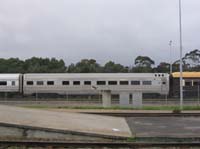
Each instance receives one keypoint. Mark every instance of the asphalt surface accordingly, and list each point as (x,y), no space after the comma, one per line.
(171,127)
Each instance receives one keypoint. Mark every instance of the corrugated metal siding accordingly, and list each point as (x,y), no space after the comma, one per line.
(186,75)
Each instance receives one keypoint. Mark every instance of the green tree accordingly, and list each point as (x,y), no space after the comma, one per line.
(163,67)
(11,65)
(56,66)
(44,65)
(143,64)
(144,61)
(85,66)
(191,61)
(111,67)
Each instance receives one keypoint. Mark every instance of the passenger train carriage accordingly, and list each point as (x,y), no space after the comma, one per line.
(93,83)
(85,83)
(11,83)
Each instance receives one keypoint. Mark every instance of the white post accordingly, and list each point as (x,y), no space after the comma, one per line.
(181,63)
(170,44)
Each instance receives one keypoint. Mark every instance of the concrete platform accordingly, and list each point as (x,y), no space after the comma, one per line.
(105,126)
(169,127)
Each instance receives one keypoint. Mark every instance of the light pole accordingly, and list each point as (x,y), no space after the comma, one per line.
(198,91)
(170,44)
(181,63)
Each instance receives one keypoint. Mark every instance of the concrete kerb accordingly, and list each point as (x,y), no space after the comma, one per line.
(25,130)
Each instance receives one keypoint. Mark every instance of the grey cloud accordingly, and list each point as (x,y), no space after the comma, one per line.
(116,30)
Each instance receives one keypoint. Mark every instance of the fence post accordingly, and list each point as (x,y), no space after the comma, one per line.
(166,102)
(36,96)
(5,96)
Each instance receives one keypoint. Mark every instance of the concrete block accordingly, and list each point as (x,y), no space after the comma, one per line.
(137,99)
(106,98)
(124,99)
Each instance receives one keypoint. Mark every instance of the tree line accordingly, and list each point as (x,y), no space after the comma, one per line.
(142,64)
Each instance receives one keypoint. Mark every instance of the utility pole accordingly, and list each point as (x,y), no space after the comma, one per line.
(198,91)
(181,51)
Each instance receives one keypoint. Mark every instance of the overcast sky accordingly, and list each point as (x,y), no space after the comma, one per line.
(117,30)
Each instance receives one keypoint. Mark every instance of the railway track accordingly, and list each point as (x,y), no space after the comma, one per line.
(128,114)
(56,144)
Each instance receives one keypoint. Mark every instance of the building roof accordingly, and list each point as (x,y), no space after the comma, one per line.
(186,74)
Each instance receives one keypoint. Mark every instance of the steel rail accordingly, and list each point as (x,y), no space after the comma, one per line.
(95,144)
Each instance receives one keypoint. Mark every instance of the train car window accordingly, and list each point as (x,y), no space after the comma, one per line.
(188,83)
(87,82)
(29,82)
(112,82)
(76,82)
(163,83)
(101,82)
(123,82)
(146,82)
(65,82)
(196,83)
(13,83)
(40,82)
(135,82)
(50,82)
(3,83)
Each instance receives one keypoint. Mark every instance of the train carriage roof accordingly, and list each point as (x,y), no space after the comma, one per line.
(186,75)
(9,76)
(93,75)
